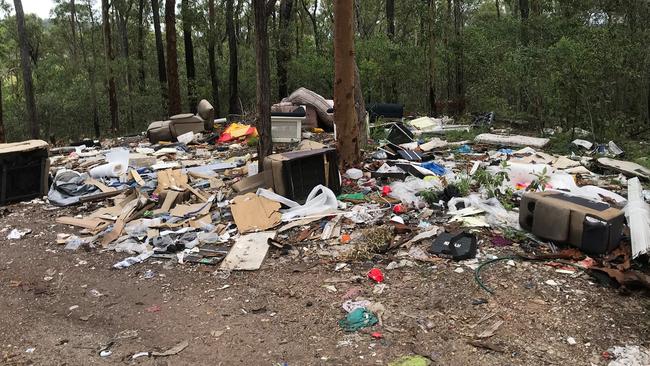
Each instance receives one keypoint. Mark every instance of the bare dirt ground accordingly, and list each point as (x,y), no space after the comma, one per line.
(51,311)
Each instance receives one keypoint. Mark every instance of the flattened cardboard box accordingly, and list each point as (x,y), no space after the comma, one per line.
(254,213)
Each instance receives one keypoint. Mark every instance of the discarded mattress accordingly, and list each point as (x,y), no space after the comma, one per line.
(320,104)
(514,140)
(628,168)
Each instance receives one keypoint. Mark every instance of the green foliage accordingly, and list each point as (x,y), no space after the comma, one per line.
(378,133)
(430,197)
(464,184)
(571,64)
(540,182)
(455,136)
(492,183)
(252,142)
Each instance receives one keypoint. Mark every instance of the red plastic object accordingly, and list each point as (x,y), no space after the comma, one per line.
(376,275)
(377,335)
(153,309)
(399,209)
(345,238)
(385,190)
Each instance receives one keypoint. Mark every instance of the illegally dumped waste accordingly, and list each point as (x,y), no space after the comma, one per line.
(357,319)
(411,361)
(637,213)
(629,356)
(413,202)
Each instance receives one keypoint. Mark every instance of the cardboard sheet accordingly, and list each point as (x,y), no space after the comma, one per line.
(102,187)
(136,176)
(167,204)
(255,213)
(248,252)
(194,210)
(90,223)
(201,222)
(196,192)
(171,179)
(121,221)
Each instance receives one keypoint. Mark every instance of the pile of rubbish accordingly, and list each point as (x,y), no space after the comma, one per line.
(415,200)
(199,199)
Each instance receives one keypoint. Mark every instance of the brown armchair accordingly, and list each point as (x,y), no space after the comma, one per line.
(180,124)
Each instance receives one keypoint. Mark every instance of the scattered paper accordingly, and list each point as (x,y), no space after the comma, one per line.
(16,234)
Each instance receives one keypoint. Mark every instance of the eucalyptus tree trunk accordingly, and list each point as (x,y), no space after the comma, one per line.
(344,114)
(160,51)
(189,56)
(26,65)
(212,63)
(233,69)
(108,50)
(140,47)
(284,50)
(173,85)
(261,12)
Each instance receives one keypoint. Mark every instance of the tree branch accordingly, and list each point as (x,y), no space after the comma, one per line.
(270,6)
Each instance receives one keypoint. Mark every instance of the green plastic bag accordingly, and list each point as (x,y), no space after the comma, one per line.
(411,361)
(358,319)
(351,196)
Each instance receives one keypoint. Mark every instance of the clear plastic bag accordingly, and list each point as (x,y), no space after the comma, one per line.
(320,200)
(407,191)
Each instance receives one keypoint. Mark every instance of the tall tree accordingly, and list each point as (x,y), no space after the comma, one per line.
(73,28)
(140,47)
(314,21)
(173,85)
(189,55)
(284,49)
(390,19)
(123,9)
(431,24)
(233,70)
(360,107)
(261,11)
(447,36)
(344,113)
(524,10)
(459,61)
(212,63)
(108,50)
(91,68)
(160,51)
(498,7)
(391,89)
(3,137)
(26,65)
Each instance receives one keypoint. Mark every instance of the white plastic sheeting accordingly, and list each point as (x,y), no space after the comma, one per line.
(637,213)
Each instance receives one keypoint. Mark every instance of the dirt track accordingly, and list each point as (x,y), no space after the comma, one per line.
(282,313)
